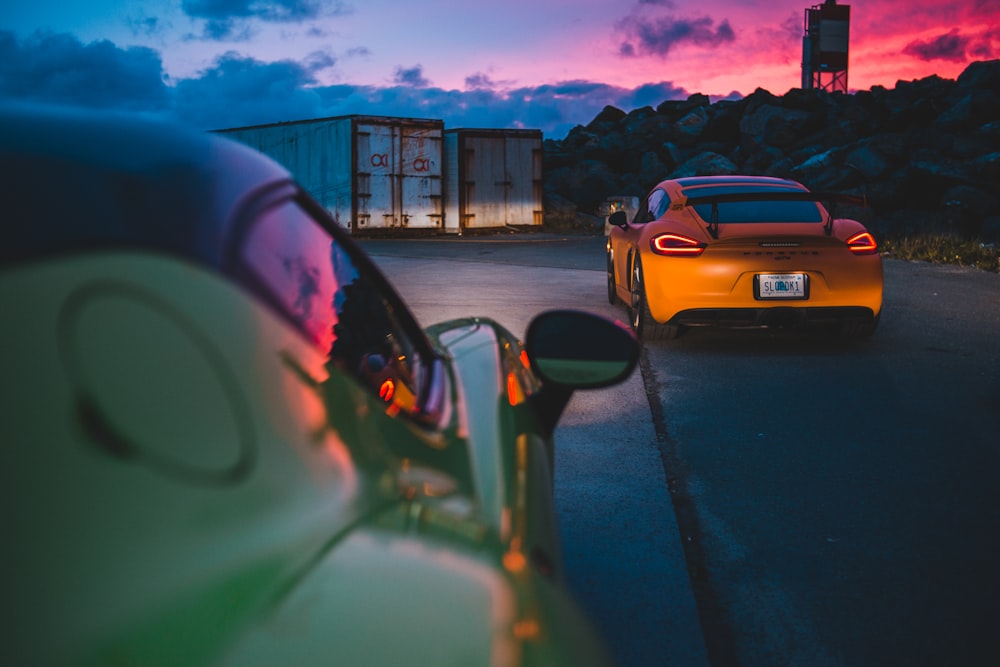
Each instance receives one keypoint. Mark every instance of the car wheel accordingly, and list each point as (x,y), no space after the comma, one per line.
(612,290)
(646,328)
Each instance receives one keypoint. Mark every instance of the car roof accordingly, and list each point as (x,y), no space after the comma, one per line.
(75,180)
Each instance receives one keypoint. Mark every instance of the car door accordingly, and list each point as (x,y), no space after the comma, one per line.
(626,242)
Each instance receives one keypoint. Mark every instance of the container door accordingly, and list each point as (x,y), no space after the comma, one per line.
(420,203)
(377,166)
(486,183)
(399,176)
(524,193)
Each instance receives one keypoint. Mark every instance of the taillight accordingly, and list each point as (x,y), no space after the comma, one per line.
(862,243)
(675,245)
(387,390)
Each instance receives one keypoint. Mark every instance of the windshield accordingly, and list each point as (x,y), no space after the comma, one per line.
(334,302)
(755,211)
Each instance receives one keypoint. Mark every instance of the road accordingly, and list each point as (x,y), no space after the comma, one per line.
(842,500)
(621,543)
(837,501)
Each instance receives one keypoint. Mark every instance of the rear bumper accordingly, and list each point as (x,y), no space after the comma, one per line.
(779,316)
(837,286)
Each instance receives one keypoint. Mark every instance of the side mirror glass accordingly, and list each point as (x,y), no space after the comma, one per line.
(580,350)
(618,219)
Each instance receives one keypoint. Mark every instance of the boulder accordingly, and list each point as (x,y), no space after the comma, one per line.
(774,125)
(925,152)
(975,200)
(692,125)
(705,164)
(677,108)
(973,109)
(868,161)
(984,74)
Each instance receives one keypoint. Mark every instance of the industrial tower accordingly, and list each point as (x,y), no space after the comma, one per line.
(824,47)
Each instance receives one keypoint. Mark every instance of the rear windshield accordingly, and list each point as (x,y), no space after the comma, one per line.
(755,211)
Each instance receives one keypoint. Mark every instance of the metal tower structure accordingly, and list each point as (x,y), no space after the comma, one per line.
(824,47)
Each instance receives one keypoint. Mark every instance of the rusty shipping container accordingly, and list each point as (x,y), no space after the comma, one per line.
(493,178)
(372,173)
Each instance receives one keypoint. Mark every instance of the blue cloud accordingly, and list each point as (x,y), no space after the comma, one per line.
(652,94)
(242,91)
(238,91)
(59,69)
(229,19)
(266,10)
(145,26)
(478,80)
(318,61)
(412,76)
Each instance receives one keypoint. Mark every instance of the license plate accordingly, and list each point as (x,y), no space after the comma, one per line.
(781,286)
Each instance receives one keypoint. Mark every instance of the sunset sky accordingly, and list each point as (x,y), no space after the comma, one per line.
(548,64)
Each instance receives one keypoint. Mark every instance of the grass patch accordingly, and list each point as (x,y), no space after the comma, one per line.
(944,249)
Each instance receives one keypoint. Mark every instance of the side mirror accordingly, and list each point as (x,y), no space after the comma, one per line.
(572,350)
(618,219)
(580,350)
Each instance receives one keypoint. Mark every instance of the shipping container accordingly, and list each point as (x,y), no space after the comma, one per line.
(372,173)
(493,178)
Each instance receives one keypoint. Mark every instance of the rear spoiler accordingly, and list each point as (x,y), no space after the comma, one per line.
(831,199)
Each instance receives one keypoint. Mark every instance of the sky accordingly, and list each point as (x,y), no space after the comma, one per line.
(539,64)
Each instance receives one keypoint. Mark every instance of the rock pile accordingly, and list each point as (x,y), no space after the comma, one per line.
(925,153)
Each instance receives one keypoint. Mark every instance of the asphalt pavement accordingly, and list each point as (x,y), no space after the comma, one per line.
(836,499)
(624,560)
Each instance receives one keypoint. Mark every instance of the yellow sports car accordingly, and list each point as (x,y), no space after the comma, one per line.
(743,251)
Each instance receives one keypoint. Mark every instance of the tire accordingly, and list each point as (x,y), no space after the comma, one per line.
(612,291)
(645,327)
